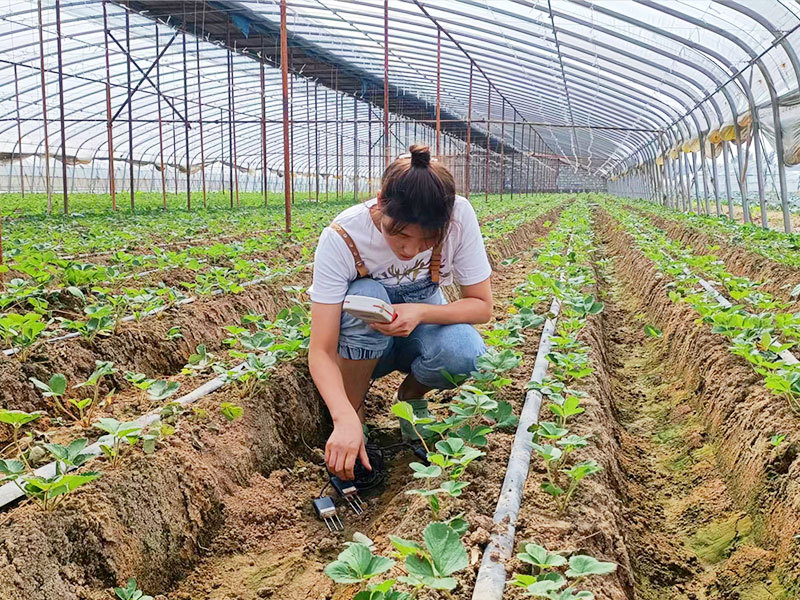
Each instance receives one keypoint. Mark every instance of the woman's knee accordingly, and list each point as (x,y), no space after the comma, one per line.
(455,351)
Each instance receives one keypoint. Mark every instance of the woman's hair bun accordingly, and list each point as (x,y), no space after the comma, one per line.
(420,156)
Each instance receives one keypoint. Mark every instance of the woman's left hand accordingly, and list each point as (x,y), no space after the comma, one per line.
(408,317)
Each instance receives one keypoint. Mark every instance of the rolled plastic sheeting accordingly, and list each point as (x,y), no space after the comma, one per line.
(491,579)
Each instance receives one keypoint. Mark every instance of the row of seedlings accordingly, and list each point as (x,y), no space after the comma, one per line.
(759,327)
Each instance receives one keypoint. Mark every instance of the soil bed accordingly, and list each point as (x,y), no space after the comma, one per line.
(214,493)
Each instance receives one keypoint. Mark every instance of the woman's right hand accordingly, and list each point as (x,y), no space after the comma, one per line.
(345,444)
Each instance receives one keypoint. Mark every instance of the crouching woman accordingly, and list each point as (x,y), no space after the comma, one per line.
(400,247)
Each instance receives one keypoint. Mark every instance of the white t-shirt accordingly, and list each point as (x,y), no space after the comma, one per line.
(463,254)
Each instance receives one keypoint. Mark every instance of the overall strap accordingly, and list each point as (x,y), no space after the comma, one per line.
(436,262)
(351,245)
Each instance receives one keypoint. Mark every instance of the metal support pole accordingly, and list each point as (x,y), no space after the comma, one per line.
(513,152)
(715,181)
(308,146)
(702,139)
(762,198)
(186,127)
(130,103)
(287,187)
(488,141)
(438,91)
(19,138)
(222,148)
(161,133)
(263,130)
(291,125)
(230,115)
(502,148)
(200,116)
(726,164)
(112,186)
(355,149)
(316,146)
(327,149)
(44,114)
(386,140)
(469,134)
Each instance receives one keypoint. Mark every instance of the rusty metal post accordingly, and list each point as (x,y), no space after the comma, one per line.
(327,149)
(112,184)
(160,131)
(230,112)
(19,136)
(502,148)
(355,149)
(341,142)
(186,124)
(233,129)
(386,141)
(291,124)
(308,145)
(44,114)
(469,133)
(438,92)
(200,117)
(263,129)
(513,151)
(488,142)
(130,102)
(222,147)
(316,145)
(287,187)
(528,182)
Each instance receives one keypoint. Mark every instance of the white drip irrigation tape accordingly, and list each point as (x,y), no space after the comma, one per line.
(491,579)
(155,311)
(786,355)
(10,492)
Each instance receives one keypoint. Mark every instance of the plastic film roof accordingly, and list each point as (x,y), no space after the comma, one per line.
(598,80)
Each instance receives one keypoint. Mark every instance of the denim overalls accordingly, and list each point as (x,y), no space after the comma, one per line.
(427,351)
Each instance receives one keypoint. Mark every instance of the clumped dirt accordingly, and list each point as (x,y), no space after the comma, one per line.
(718,420)
(154,514)
(778,279)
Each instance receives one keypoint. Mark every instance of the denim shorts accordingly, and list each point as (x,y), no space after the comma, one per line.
(429,350)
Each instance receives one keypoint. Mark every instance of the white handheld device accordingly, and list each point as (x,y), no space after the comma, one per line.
(371,310)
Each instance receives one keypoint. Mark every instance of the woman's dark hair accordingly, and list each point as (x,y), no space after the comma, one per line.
(416,191)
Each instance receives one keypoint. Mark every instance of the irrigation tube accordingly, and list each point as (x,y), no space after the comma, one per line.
(491,579)
(10,492)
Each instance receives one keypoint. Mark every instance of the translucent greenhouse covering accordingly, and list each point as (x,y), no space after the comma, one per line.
(678,100)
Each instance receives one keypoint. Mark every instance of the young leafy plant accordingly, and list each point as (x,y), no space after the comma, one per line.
(357,564)
(434,564)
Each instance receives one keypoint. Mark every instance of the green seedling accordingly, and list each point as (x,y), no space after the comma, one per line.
(777,439)
(381,591)
(199,361)
(69,457)
(231,411)
(652,331)
(48,492)
(403,410)
(503,416)
(174,333)
(548,582)
(785,383)
(22,331)
(87,407)
(357,564)
(161,390)
(433,565)
(570,407)
(55,388)
(17,419)
(117,432)
(131,592)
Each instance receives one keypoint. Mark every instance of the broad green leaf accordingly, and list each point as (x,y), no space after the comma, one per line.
(447,551)
(421,572)
(421,471)
(583,566)
(652,331)
(405,547)
(540,557)
(17,418)
(403,410)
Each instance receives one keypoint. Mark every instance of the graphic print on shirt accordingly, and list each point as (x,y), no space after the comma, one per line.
(411,273)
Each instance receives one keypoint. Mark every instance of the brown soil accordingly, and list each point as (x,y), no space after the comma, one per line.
(211,494)
(778,279)
(716,417)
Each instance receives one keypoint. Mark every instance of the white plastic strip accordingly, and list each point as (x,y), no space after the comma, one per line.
(11,492)
(491,579)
